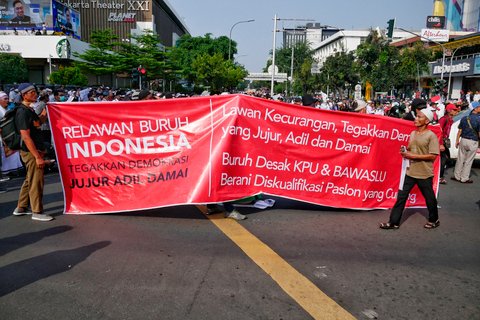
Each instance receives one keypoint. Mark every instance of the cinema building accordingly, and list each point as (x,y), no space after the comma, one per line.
(77,19)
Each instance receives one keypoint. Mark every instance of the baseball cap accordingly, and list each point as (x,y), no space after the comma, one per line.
(451,106)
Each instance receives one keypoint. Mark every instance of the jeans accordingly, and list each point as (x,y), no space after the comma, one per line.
(426,188)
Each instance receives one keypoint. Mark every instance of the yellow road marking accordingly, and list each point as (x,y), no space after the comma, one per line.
(312,299)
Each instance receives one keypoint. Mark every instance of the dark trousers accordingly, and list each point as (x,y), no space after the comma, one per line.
(443,161)
(426,188)
(227,205)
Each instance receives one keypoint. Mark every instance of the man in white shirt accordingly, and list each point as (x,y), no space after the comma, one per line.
(476,97)
(370,108)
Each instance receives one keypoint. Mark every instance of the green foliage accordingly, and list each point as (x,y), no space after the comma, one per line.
(339,70)
(380,63)
(189,48)
(68,75)
(13,68)
(217,73)
(283,57)
(302,61)
(99,59)
(414,61)
(145,50)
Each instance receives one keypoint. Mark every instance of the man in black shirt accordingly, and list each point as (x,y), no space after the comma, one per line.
(31,152)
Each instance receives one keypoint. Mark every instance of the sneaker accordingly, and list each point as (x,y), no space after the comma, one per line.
(235,215)
(41,217)
(21,212)
(4,178)
(3,190)
(215,209)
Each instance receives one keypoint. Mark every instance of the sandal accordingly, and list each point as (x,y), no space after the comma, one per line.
(443,181)
(387,225)
(432,225)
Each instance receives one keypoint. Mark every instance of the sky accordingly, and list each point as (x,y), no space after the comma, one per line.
(255,39)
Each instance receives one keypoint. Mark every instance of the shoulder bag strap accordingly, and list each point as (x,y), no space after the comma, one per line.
(468,119)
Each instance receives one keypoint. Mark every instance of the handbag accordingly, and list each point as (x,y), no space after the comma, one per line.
(447,143)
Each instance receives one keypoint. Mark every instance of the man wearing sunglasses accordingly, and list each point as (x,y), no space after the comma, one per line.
(31,152)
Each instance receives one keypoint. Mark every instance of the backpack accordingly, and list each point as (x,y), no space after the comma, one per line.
(11,136)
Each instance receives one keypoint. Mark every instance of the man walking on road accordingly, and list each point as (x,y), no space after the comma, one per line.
(468,130)
(423,149)
(32,151)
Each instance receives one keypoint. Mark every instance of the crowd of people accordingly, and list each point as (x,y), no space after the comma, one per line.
(422,150)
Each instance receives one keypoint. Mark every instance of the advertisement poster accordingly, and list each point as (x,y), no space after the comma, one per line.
(66,20)
(23,15)
(125,156)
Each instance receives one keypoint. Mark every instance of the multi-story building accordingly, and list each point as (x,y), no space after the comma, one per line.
(77,19)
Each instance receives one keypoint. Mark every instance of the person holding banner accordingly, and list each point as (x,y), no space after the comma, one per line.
(31,152)
(423,149)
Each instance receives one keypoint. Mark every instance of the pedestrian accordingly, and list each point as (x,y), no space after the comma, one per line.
(230,211)
(4,100)
(361,106)
(445,123)
(308,100)
(10,160)
(144,95)
(31,152)
(423,149)
(468,130)
(417,104)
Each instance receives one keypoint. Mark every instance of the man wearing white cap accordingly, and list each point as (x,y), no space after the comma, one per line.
(31,152)
(423,149)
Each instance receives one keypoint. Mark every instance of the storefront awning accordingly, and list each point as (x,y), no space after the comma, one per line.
(462,41)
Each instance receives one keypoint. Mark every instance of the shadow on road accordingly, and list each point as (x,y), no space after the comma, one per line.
(16,242)
(23,273)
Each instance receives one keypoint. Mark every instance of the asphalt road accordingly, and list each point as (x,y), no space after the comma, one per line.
(176,263)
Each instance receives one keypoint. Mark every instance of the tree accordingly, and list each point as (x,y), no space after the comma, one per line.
(189,48)
(146,50)
(302,58)
(99,59)
(380,63)
(283,57)
(216,72)
(13,68)
(338,71)
(68,75)
(414,61)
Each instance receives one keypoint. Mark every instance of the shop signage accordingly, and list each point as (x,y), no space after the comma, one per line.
(95,4)
(477,66)
(435,22)
(63,49)
(124,17)
(4,47)
(435,35)
(461,67)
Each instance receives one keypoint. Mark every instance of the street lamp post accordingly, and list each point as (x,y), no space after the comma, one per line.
(273,54)
(230,39)
(450,75)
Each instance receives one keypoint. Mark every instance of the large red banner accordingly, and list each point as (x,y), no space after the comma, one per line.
(124,156)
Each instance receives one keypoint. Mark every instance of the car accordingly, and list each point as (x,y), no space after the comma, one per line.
(454,132)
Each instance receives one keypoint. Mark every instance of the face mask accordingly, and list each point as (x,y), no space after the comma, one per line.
(62,98)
